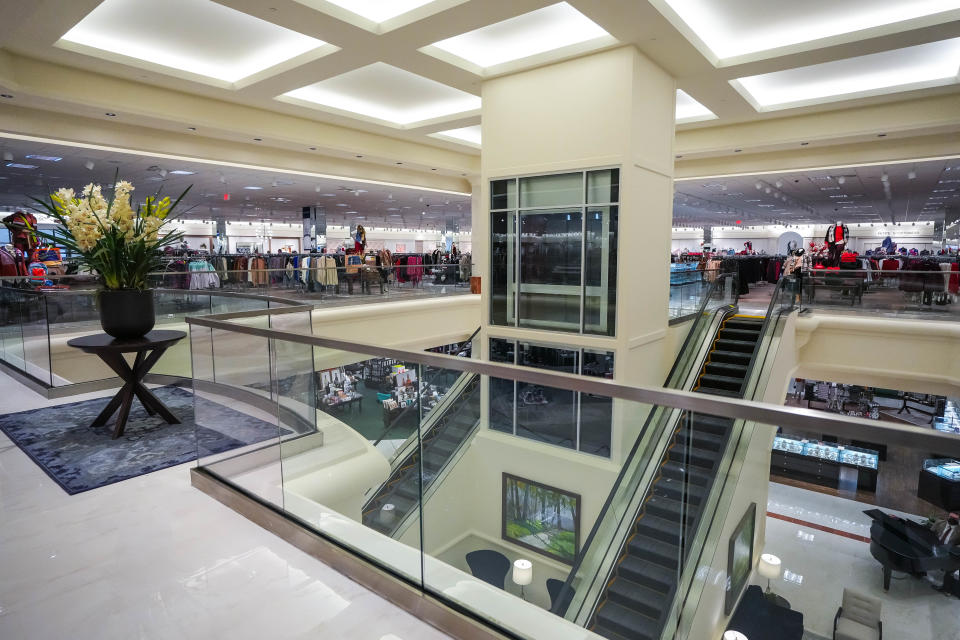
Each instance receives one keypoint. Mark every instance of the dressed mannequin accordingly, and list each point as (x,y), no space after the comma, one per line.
(22,226)
(359,240)
(836,239)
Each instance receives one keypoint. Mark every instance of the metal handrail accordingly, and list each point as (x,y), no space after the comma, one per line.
(566,592)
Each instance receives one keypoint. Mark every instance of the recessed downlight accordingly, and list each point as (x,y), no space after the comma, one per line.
(110,114)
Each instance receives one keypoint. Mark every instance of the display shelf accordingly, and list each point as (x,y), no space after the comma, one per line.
(827,451)
(824,463)
(939,483)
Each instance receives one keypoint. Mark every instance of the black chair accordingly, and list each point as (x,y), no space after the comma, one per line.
(490,566)
(558,605)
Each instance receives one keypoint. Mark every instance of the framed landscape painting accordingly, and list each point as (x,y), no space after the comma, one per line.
(740,557)
(541,518)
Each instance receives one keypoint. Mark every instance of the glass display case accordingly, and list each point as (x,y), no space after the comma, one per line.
(944,468)
(844,454)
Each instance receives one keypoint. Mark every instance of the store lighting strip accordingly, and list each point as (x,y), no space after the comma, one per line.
(772,172)
(223,163)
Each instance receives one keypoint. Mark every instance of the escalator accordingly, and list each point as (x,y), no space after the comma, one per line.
(449,426)
(640,590)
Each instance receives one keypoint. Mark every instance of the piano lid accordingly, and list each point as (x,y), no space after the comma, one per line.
(902,536)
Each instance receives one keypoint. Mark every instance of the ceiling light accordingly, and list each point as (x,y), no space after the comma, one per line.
(46,158)
(163,173)
(385,93)
(211,40)
(758,185)
(110,115)
(803,144)
(89,165)
(468,135)
(17,165)
(921,66)
(779,183)
(6,95)
(912,175)
(258,139)
(689,110)
(254,188)
(191,128)
(841,180)
(552,28)
(730,29)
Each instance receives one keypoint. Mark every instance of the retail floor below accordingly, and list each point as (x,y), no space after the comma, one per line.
(823,543)
(152,557)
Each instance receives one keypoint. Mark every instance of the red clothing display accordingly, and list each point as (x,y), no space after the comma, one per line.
(21,226)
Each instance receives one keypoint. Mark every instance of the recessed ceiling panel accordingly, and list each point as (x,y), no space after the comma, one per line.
(926,65)
(689,110)
(554,28)
(386,94)
(378,10)
(198,37)
(464,135)
(731,28)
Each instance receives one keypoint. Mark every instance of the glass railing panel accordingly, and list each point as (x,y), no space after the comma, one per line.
(73,314)
(11,326)
(344,478)
(237,427)
(911,293)
(532,485)
(36,340)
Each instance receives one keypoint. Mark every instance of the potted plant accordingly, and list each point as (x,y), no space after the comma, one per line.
(122,246)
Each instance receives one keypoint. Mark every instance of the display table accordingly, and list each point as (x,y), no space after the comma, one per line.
(939,483)
(149,350)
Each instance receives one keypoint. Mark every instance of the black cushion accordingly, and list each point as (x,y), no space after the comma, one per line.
(488,565)
(554,587)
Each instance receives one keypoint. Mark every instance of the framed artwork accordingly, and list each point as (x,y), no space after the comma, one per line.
(541,518)
(740,557)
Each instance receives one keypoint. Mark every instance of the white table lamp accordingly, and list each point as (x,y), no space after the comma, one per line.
(388,513)
(734,635)
(522,574)
(769,568)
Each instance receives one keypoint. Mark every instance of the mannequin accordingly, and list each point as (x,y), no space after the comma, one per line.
(836,239)
(359,240)
(22,226)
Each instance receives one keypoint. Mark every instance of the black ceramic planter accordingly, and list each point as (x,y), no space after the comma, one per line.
(126,313)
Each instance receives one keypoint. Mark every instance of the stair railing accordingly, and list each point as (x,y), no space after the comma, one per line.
(595,561)
(706,538)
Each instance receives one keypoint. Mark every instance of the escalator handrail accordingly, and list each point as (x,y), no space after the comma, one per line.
(773,315)
(567,590)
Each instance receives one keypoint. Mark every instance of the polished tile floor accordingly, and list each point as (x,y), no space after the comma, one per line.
(817,565)
(153,558)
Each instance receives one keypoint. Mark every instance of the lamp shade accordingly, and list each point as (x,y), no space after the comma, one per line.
(388,513)
(769,566)
(522,572)
(734,635)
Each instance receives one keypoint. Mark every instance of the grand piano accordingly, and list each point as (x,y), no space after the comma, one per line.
(904,545)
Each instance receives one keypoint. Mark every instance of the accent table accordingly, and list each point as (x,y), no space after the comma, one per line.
(149,349)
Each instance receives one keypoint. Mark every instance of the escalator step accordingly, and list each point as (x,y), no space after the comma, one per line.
(670,509)
(637,597)
(720,382)
(651,526)
(703,422)
(742,346)
(656,552)
(747,335)
(726,369)
(703,458)
(656,576)
(732,357)
(749,324)
(602,630)
(727,393)
(700,438)
(676,490)
(675,471)
(629,624)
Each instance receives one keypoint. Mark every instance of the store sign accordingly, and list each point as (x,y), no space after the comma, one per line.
(903,232)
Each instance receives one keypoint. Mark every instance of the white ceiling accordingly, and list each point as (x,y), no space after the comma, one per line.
(732,28)
(252,52)
(193,36)
(279,197)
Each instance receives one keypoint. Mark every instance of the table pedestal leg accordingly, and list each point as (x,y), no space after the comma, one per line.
(132,377)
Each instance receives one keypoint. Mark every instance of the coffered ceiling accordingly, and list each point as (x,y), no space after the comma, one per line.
(411,69)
